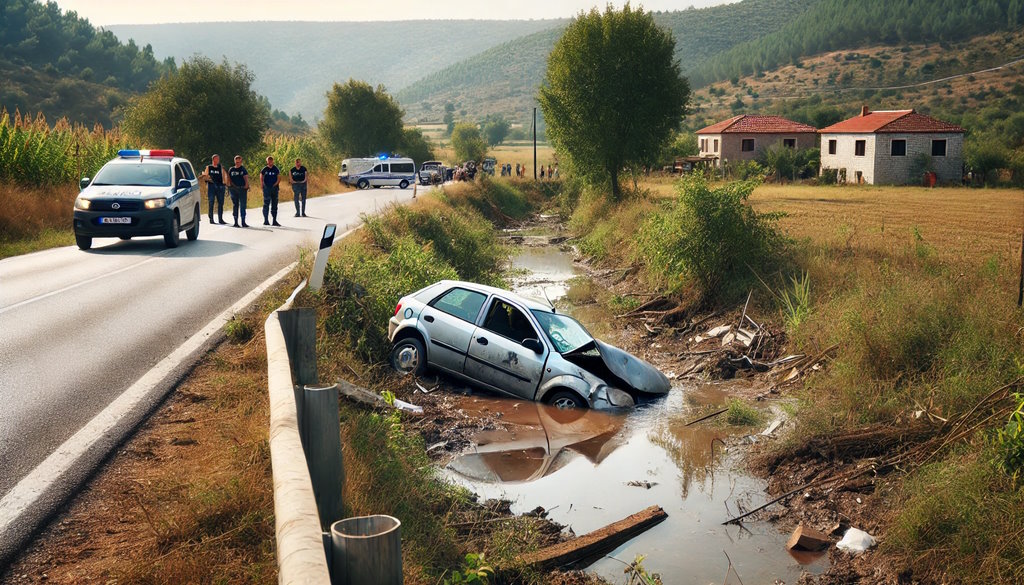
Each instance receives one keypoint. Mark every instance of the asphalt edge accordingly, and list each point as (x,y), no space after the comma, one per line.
(34,501)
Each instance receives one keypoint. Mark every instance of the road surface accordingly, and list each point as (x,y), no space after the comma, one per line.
(78,328)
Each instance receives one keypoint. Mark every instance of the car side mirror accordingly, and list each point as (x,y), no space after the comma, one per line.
(533,345)
(184,184)
(84,183)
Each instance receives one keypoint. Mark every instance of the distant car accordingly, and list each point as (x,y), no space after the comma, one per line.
(432,172)
(139,193)
(512,345)
(377,172)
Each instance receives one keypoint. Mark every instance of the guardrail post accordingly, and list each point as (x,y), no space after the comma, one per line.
(320,429)
(366,549)
(299,328)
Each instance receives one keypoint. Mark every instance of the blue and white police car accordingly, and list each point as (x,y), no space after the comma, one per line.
(139,193)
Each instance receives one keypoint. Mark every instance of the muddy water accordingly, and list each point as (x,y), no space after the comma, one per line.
(589,469)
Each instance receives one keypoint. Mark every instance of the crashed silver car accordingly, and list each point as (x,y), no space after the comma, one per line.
(512,345)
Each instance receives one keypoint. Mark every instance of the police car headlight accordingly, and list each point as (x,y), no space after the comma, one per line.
(82,203)
(155,203)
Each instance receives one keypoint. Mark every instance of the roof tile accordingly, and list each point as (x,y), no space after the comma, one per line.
(749,124)
(890,121)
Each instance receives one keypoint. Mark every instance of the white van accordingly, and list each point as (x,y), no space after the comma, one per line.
(377,172)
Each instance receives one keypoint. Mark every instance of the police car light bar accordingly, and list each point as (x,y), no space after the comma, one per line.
(135,153)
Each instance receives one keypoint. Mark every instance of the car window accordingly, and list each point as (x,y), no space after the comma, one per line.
(461,303)
(178,174)
(189,173)
(145,174)
(508,321)
(376,169)
(565,333)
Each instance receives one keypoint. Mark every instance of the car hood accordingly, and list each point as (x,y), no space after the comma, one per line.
(123,192)
(624,370)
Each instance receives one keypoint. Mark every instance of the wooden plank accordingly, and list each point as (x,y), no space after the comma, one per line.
(582,551)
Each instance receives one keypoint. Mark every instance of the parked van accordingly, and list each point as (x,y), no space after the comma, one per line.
(377,172)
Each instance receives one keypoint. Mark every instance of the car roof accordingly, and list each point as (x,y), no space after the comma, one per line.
(120,160)
(490,290)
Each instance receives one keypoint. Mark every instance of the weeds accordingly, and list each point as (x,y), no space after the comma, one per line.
(238,331)
(740,414)
(473,571)
(796,300)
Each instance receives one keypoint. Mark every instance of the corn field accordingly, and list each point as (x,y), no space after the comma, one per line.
(34,154)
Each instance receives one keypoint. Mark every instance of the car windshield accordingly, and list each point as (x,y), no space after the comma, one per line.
(565,333)
(136,175)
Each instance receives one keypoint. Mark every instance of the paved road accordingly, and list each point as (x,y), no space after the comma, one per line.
(78,328)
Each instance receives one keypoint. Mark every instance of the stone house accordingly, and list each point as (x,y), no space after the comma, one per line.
(743,137)
(889,147)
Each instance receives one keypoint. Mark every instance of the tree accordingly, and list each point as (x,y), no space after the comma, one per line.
(612,94)
(201,109)
(361,120)
(416,146)
(468,143)
(496,129)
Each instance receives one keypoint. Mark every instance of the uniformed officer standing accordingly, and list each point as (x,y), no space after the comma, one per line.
(270,178)
(214,175)
(239,188)
(298,176)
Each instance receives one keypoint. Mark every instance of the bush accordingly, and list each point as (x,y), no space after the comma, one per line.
(710,238)
(741,414)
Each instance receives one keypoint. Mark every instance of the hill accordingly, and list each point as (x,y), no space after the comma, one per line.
(504,79)
(831,25)
(59,64)
(295,63)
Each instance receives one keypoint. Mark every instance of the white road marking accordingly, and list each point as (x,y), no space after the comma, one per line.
(46,474)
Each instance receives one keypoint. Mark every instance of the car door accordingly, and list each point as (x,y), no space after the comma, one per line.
(496,354)
(449,321)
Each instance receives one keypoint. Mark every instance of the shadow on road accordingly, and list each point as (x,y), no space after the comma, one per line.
(154,246)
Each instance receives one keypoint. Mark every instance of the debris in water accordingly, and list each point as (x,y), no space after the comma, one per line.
(808,539)
(644,484)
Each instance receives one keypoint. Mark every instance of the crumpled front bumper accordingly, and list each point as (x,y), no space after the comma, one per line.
(608,398)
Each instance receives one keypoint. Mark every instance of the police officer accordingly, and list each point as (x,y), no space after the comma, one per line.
(239,189)
(298,177)
(270,178)
(214,175)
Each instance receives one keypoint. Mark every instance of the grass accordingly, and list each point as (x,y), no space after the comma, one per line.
(741,414)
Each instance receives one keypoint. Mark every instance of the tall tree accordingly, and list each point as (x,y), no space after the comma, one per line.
(361,120)
(496,129)
(201,109)
(468,143)
(613,94)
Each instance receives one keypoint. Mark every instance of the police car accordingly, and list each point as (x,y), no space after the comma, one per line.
(139,193)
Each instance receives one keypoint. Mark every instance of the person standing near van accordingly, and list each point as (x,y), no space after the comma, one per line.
(298,178)
(239,189)
(214,175)
(270,178)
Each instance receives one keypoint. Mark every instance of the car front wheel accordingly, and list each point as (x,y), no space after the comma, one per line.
(172,237)
(363,184)
(409,357)
(193,232)
(84,242)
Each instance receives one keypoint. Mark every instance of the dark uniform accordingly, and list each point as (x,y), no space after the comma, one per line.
(239,192)
(215,190)
(299,189)
(268,179)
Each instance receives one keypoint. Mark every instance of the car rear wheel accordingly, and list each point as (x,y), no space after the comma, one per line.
(84,242)
(363,184)
(172,237)
(409,357)
(403,184)
(193,232)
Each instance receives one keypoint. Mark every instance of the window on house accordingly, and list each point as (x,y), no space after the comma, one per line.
(703,145)
(859,147)
(831,146)
(898,148)
(747,145)
(859,176)
(716,145)
(938,148)
(789,142)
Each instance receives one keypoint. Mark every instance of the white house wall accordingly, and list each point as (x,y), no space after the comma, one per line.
(844,157)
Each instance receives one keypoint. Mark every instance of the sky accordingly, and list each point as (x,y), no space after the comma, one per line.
(108,12)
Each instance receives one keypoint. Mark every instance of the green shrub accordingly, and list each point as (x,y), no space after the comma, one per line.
(710,238)
(741,414)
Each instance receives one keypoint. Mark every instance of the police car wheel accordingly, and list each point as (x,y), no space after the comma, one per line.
(124,238)
(193,232)
(403,184)
(363,184)
(84,242)
(172,237)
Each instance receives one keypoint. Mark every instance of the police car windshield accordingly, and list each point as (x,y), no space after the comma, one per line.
(135,175)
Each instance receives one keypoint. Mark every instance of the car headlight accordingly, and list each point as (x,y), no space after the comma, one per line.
(82,203)
(155,203)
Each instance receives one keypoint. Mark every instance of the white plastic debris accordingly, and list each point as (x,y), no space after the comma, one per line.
(856,541)
(403,405)
(718,331)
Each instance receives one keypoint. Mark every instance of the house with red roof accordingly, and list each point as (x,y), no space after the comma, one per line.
(890,147)
(743,137)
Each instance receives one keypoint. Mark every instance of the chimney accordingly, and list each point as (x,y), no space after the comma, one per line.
(864,111)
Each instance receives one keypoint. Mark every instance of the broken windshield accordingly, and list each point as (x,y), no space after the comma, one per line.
(565,333)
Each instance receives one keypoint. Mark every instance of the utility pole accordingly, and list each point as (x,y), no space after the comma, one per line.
(534,144)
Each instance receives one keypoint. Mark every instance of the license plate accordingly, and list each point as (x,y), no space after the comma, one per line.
(115,220)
